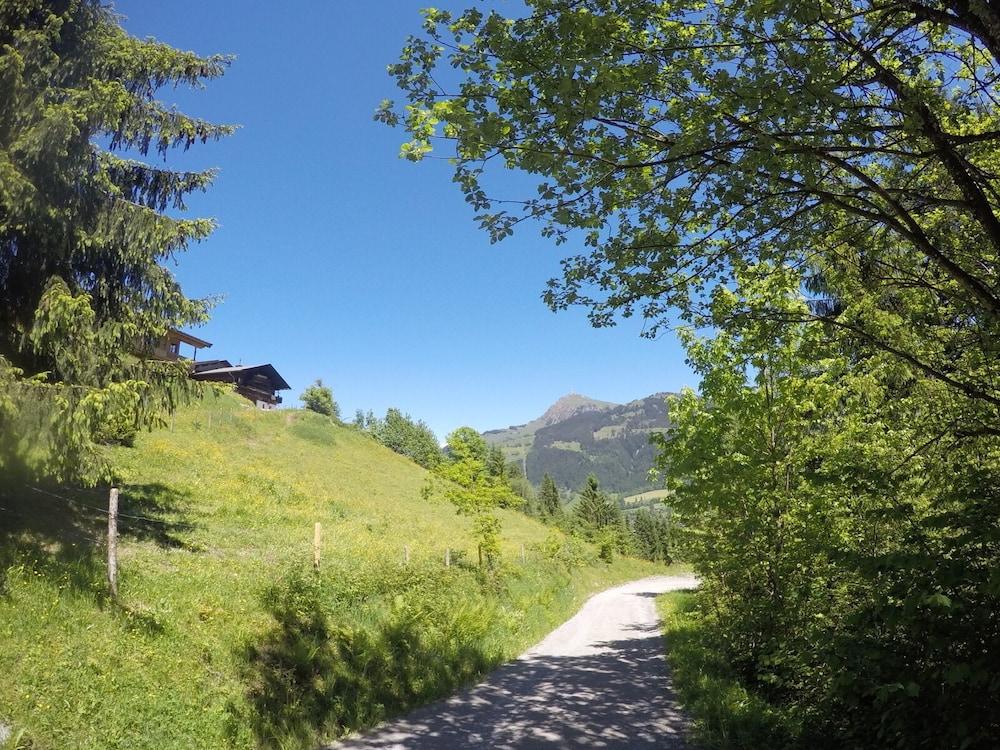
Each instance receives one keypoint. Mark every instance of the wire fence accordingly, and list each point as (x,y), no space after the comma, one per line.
(96,537)
(80,503)
(63,533)
(449,556)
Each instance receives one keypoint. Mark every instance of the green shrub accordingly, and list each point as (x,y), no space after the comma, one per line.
(566,549)
(726,714)
(345,653)
(319,398)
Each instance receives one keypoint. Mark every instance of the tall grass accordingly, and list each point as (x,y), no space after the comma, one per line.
(223,636)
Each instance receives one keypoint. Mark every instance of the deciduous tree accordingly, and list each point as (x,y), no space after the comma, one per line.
(678,142)
(837,522)
(399,432)
(818,183)
(473,490)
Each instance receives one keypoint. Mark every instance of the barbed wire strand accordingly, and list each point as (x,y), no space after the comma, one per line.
(74,501)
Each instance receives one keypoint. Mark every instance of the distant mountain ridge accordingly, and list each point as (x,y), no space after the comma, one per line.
(577,436)
(517,439)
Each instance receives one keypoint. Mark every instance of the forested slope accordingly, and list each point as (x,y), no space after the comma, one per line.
(608,440)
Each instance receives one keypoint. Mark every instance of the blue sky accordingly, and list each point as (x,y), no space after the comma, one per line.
(337,259)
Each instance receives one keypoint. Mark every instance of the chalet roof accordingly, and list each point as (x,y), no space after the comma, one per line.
(234,373)
(210,364)
(187,338)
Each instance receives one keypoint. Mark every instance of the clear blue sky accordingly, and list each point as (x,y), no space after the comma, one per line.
(339,260)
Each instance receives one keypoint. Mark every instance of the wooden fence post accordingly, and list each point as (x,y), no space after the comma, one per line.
(480,555)
(524,557)
(447,557)
(113,542)
(406,554)
(317,539)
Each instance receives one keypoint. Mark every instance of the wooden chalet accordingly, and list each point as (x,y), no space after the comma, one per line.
(169,348)
(258,383)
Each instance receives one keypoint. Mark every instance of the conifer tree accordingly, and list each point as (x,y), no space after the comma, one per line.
(84,233)
(651,535)
(595,508)
(548,496)
(496,463)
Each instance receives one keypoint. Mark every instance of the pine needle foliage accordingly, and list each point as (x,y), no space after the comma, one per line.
(595,508)
(548,497)
(86,227)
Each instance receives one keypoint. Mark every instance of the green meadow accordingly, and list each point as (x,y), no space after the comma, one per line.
(223,635)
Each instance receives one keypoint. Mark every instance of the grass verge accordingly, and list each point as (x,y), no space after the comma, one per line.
(725,714)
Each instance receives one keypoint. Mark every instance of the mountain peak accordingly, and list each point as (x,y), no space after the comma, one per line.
(579,435)
(568,405)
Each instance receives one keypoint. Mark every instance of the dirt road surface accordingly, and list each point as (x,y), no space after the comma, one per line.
(598,681)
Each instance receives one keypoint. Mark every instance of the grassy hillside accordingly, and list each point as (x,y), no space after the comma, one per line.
(222,635)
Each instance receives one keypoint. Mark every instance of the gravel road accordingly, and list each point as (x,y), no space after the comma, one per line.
(598,681)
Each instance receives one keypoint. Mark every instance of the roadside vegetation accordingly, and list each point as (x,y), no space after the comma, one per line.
(615,527)
(223,631)
(725,713)
(807,194)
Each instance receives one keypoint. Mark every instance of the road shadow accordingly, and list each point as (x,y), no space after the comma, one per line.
(617,698)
